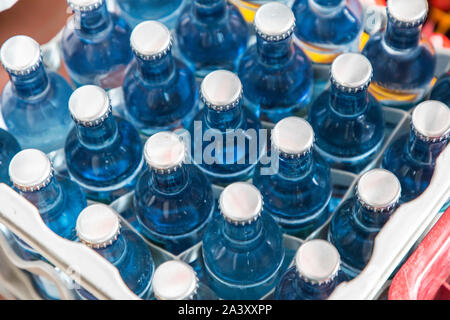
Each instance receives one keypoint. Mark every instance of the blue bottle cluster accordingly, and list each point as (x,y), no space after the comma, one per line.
(173,201)
(243,247)
(160,91)
(276,74)
(8,148)
(98,226)
(103,152)
(298,192)
(358,220)
(177,280)
(346,118)
(58,200)
(211,35)
(315,274)
(34,101)
(222,119)
(412,157)
(403,62)
(95,45)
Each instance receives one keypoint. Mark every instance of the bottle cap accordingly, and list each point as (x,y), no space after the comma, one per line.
(98,226)
(20,55)
(292,137)
(241,203)
(407,13)
(164,152)
(351,72)
(89,105)
(221,90)
(274,21)
(317,261)
(84,5)
(175,280)
(378,190)
(30,170)
(431,121)
(151,40)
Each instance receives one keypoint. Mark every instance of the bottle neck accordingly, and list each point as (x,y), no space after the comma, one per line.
(295,168)
(170,183)
(47,199)
(156,70)
(209,10)
(372,219)
(328,3)
(94,21)
(114,252)
(326,8)
(98,136)
(274,52)
(315,290)
(223,120)
(425,151)
(348,104)
(242,234)
(30,85)
(402,38)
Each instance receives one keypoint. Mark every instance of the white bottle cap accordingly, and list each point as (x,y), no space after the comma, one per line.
(408,13)
(151,40)
(351,72)
(274,21)
(431,121)
(292,136)
(84,5)
(221,90)
(20,55)
(164,152)
(89,105)
(174,280)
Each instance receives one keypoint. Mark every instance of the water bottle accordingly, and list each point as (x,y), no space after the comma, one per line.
(441,89)
(99,227)
(160,91)
(8,148)
(298,192)
(103,152)
(34,101)
(346,118)
(276,74)
(95,45)
(243,247)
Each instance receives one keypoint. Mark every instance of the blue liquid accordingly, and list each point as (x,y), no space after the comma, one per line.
(349,128)
(223,161)
(403,65)
(277,78)
(412,161)
(243,262)
(34,108)
(352,231)
(160,94)
(293,287)
(174,209)
(8,148)
(441,89)
(297,196)
(105,159)
(137,11)
(131,256)
(95,48)
(211,34)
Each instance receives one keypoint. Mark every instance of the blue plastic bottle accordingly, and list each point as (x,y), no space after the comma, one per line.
(355,225)
(243,247)
(103,152)
(8,148)
(137,11)
(98,227)
(225,138)
(441,89)
(211,34)
(34,101)
(173,201)
(95,45)
(160,91)
(412,157)
(346,118)
(298,192)
(403,63)
(176,280)
(58,200)
(315,274)
(276,74)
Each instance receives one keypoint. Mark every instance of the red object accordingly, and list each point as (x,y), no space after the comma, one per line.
(426,274)
(441,4)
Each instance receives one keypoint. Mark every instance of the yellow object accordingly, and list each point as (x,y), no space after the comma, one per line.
(247,9)
(383,94)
